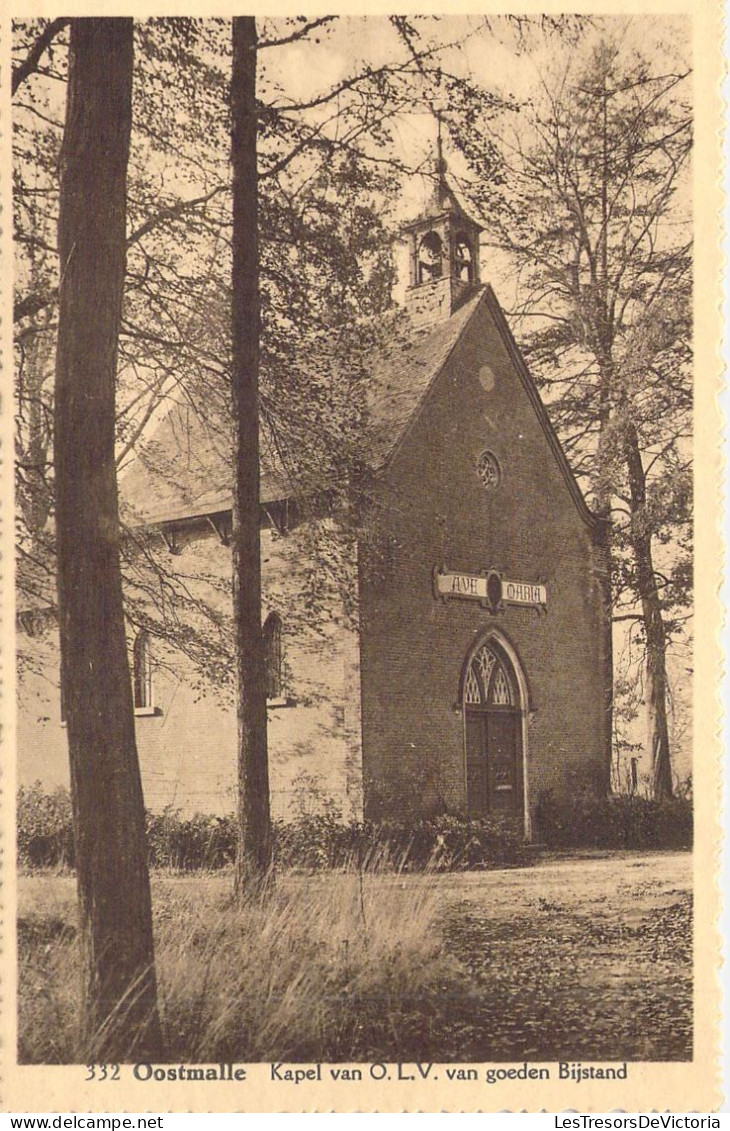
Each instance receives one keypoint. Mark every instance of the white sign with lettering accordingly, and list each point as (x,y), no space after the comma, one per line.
(523,593)
(490,588)
(461,585)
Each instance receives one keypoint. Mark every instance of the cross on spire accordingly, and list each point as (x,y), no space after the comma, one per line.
(440,162)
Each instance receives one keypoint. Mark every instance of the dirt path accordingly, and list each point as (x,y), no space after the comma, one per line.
(576,959)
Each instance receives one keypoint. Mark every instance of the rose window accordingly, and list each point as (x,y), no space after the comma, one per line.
(488,470)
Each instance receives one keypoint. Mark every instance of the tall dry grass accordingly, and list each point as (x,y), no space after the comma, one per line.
(335,966)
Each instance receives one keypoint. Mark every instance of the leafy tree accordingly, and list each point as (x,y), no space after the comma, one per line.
(319,279)
(111,860)
(591,205)
(320,236)
(323,170)
(326,171)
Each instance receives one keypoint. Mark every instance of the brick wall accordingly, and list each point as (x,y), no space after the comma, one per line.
(434,301)
(436,512)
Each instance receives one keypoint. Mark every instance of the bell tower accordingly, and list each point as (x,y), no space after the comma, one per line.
(443,252)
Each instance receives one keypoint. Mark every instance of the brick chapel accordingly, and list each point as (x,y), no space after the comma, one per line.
(474,681)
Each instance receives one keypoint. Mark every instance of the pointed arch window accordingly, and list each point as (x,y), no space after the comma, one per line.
(472,692)
(273,656)
(142,672)
(501,695)
(487,683)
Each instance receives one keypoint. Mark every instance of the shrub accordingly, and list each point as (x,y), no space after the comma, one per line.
(186,844)
(45,827)
(314,842)
(447,843)
(620,821)
(442,843)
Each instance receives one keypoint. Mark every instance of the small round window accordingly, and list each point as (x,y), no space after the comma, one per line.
(488,470)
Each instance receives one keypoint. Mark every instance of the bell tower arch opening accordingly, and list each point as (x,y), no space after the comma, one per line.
(463,258)
(494,704)
(430,258)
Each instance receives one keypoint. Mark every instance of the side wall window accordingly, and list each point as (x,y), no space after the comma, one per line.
(142,673)
(273,657)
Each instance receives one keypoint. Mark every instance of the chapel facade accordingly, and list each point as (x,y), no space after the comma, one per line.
(473,678)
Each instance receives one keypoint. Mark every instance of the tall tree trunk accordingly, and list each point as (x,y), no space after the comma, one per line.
(603,545)
(254,823)
(120,1014)
(602,542)
(656,666)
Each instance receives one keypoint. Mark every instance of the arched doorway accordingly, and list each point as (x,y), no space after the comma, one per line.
(493,700)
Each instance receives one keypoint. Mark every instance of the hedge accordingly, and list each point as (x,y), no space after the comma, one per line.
(312,843)
(443,843)
(45,828)
(620,821)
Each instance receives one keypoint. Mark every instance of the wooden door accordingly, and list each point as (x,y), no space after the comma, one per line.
(504,763)
(477,789)
(493,763)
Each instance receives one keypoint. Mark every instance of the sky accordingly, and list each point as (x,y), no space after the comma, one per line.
(490,53)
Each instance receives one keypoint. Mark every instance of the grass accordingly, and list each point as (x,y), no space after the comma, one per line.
(328,967)
(576,958)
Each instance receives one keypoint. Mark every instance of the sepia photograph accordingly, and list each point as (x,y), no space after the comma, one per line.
(354,493)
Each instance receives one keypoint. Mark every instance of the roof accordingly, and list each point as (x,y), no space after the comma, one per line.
(184,470)
(403,373)
(441,200)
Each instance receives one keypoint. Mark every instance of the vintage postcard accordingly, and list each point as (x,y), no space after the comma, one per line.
(361,558)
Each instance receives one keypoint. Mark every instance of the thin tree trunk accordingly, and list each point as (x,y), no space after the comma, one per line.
(254,824)
(640,539)
(656,668)
(603,543)
(120,994)
(604,533)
